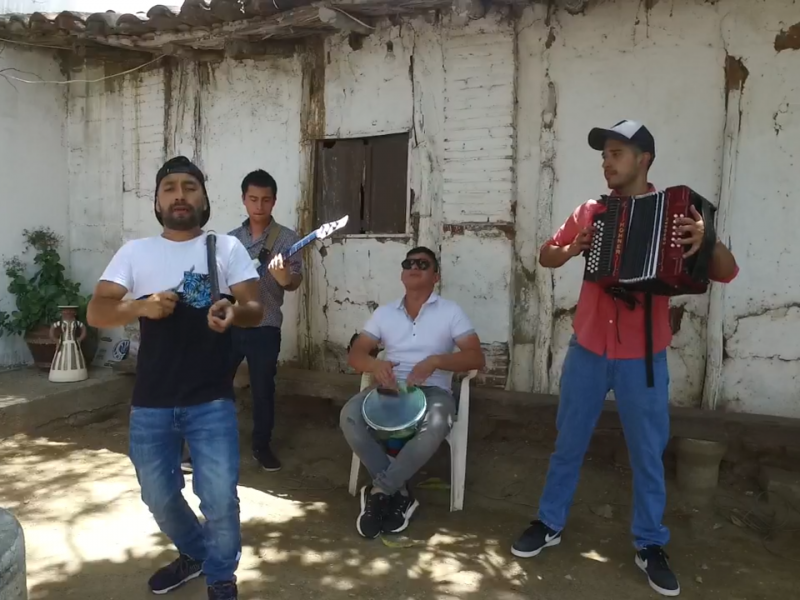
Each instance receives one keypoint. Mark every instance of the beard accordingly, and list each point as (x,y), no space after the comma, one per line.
(183,222)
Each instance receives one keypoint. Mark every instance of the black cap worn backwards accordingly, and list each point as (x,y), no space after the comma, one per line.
(181,164)
(631,132)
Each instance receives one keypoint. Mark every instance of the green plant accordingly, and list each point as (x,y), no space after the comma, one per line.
(38,297)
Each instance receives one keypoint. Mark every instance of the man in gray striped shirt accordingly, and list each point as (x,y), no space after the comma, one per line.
(264,238)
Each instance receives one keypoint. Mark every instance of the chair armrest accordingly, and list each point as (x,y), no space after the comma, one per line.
(471,375)
(366,378)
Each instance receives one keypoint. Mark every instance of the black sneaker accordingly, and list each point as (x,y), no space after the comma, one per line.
(370,518)
(653,561)
(223,590)
(267,460)
(534,539)
(398,512)
(175,574)
(186,466)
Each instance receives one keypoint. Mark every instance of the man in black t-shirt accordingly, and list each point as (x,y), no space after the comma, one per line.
(184,390)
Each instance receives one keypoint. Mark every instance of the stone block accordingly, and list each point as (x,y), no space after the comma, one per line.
(782,487)
(697,467)
(13,581)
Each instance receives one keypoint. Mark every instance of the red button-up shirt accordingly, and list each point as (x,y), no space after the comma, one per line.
(604,325)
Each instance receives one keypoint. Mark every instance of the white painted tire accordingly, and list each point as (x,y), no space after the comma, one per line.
(13,584)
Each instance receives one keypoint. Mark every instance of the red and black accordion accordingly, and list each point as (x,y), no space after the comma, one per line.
(634,246)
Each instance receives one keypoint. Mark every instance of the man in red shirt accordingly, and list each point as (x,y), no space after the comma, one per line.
(607,351)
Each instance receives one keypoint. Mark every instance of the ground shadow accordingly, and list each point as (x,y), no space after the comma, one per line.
(300,541)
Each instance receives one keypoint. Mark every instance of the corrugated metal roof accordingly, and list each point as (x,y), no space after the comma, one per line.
(202,25)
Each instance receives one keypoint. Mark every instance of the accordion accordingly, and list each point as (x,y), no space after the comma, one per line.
(634,246)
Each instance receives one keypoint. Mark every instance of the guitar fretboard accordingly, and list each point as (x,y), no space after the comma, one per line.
(300,244)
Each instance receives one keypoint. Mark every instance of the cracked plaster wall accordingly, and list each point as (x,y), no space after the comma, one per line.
(230,118)
(734,141)
(452,87)
(33,166)
(733,137)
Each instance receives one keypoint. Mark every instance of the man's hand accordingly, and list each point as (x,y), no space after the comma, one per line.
(695,228)
(383,373)
(220,315)
(421,371)
(280,270)
(159,305)
(582,242)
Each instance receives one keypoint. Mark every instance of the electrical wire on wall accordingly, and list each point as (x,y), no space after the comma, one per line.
(4,72)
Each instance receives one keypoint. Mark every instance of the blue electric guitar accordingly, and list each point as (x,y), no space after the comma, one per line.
(320,233)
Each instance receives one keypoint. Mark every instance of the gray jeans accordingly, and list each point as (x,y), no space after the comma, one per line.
(388,475)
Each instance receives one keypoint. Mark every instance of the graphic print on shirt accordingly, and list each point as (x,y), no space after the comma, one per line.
(196,290)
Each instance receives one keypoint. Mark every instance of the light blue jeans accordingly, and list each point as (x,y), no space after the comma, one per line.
(585,380)
(210,429)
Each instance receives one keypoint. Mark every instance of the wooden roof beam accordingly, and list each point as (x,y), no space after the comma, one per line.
(341,20)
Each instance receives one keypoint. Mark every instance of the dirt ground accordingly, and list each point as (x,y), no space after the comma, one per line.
(89,536)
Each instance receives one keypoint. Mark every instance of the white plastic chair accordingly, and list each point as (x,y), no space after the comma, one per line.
(457,438)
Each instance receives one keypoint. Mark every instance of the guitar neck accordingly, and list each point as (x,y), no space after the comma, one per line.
(300,244)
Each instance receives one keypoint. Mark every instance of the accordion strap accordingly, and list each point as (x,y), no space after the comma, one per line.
(648,339)
(631,301)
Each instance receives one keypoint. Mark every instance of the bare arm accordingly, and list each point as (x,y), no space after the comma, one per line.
(362,355)
(248,310)
(470,357)
(107,309)
(553,257)
(723,266)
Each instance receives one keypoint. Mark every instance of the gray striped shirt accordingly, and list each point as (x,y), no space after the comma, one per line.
(270,291)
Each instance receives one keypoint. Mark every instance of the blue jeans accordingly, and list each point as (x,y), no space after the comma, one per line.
(392,476)
(261,347)
(585,380)
(210,429)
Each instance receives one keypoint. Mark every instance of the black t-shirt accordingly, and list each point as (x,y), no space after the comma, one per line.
(181,361)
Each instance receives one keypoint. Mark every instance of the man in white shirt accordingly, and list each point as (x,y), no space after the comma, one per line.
(184,388)
(419,333)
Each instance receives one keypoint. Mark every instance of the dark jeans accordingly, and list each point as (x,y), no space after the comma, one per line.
(260,346)
(210,429)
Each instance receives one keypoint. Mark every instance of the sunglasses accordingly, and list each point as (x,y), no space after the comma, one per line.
(421,263)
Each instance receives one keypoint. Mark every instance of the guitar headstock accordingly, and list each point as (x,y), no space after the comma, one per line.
(328,228)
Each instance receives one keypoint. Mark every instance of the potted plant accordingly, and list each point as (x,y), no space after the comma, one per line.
(39,297)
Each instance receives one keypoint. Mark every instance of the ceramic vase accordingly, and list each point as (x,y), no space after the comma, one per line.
(68,364)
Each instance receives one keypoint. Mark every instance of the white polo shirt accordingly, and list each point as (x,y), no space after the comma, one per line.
(407,341)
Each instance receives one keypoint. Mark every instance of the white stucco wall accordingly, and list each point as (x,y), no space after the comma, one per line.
(430,80)
(33,165)
(665,66)
(498,112)
(231,119)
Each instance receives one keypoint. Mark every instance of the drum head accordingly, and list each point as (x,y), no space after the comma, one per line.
(395,414)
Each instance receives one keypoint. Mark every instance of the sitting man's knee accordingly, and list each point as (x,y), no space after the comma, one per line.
(350,414)
(439,421)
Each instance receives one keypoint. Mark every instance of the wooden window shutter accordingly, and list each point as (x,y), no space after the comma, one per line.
(386,189)
(339,181)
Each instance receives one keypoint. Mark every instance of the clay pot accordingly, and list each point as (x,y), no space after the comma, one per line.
(698,464)
(43,347)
